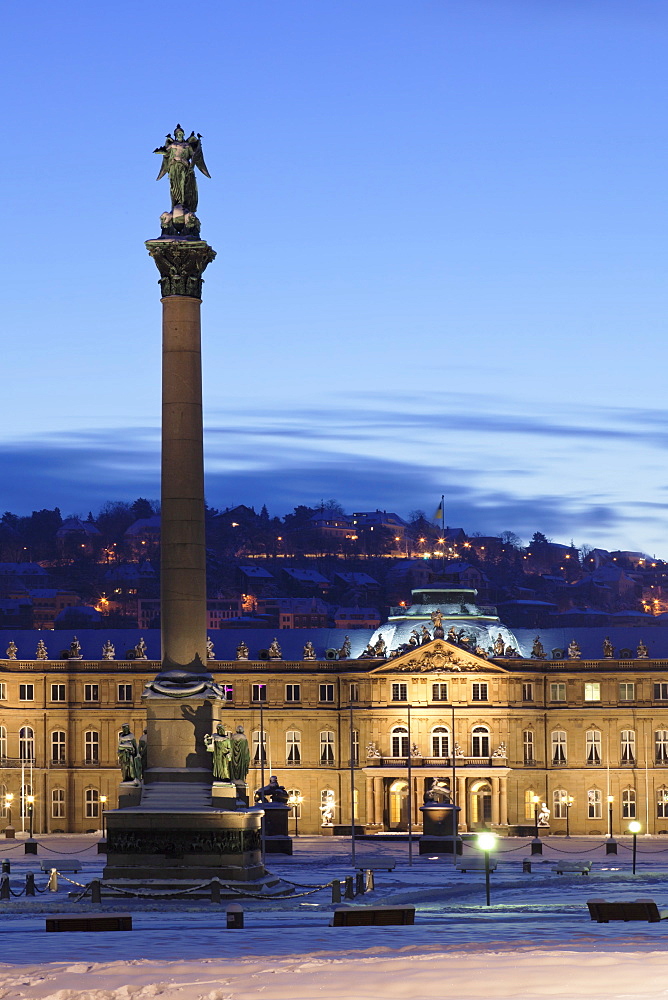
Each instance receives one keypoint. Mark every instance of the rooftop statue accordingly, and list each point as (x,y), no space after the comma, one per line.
(41,653)
(573,650)
(538,650)
(642,651)
(210,651)
(344,652)
(108,650)
(12,650)
(242,651)
(608,648)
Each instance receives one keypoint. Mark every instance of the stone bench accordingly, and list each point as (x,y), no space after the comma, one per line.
(476,863)
(572,867)
(372,916)
(89,922)
(61,865)
(374,864)
(603,910)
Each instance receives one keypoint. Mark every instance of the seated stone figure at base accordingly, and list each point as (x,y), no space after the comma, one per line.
(273,791)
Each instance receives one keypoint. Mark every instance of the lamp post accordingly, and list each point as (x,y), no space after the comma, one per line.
(486,843)
(568,802)
(30,799)
(535,799)
(9,798)
(295,801)
(635,829)
(103,802)
(611,799)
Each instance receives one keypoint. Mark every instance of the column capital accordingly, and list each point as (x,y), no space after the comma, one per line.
(181,264)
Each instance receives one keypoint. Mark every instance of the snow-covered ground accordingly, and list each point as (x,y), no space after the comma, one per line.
(536,939)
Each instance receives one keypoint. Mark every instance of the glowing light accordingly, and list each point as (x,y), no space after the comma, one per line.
(486,841)
(635,827)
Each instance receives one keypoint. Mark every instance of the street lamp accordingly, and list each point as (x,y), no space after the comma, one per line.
(9,798)
(103,802)
(611,799)
(30,799)
(295,800)
(568,802)
(535,799)
(634,828)
(486,842)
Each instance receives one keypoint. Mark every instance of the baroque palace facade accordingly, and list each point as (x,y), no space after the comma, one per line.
(498,730)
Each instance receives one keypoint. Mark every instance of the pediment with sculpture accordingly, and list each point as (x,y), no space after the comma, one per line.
(437,656)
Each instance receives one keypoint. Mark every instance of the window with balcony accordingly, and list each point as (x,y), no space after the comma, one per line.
(58,747)
(327,747)
(293,747)
(480,742)
(26,743)
(559,747)
(627,739)
(399,692)
(57,692)
(439,692)
(399,742)
(440,742)
(593,747)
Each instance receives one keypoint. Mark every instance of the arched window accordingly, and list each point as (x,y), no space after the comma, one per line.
(92,803)
(628,803)
(594,804)
(58,747)
(480,742)
(293,747)
(26,743)
(662,802)
(3,742)
(627,739)
(559,747)
(256,747)
(400,746)
(57,803)
(440,742)
(327,747)
(92,747)
(593,746)
(661,746)
(297,809)
(559,800)
(528,746)
(327,805)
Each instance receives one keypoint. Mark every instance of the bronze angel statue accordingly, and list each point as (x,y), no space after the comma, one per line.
(180,156)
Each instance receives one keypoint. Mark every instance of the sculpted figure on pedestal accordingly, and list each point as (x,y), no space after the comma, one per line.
(41,653)
(219,745)
(180,156)
(12,650)
(75,649)
(240,761)
(127,753)
(242,651)
(108,650)
(273,791)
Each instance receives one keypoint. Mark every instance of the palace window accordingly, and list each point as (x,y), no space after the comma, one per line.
(125,692)
(440,742)
(256,747)
(354,692)
(557,692)
(26,692)
(559,754)
(661,692)
(258,692)
(627,746)
(593,746)
(661,746)
(3,691)
(24,805)
(26,743)
(228,691)
(293,692)
(479,692)
(58,747)
(662,802)
(627,691)
(399,692)
(529,805)
(439,692)
(92,803)
(592,691)
(297,809)
(293,747)
(628,803)
(400,746)
(527,691)
(57,692)
(355,746)
(480,742)
(594,804)
(559,800)
(3,742)
(57,803)
(528,746)
(92,747)
(327,747)
(91,692)
(326,692)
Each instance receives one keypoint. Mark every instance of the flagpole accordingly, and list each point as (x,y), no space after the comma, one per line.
(443,527)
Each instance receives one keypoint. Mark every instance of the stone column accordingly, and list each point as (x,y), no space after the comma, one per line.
(503,801)
(462,803)
(378,801)
(369,800)
(496,811)
(183,555)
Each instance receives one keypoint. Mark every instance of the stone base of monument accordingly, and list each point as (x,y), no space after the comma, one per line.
(276,837)
(439,831)
(341,830)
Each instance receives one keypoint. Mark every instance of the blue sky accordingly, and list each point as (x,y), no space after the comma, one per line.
(442,256)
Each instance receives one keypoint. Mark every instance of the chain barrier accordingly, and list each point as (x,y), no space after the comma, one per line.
(66,854)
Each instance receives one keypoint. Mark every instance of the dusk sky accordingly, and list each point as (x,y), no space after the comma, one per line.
(442,236)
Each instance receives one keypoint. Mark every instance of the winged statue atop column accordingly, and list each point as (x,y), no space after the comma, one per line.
(180,156)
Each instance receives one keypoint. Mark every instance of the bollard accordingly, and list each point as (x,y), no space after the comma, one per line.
(52,885)
(370,881)
(4,887)
(30,847)
(336,891)
(537,846)
(215,890)
(6,865)
(526,865)
(95,891)
(359,884)
(349,891)
(235,917)
(611,847)
(30,884)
